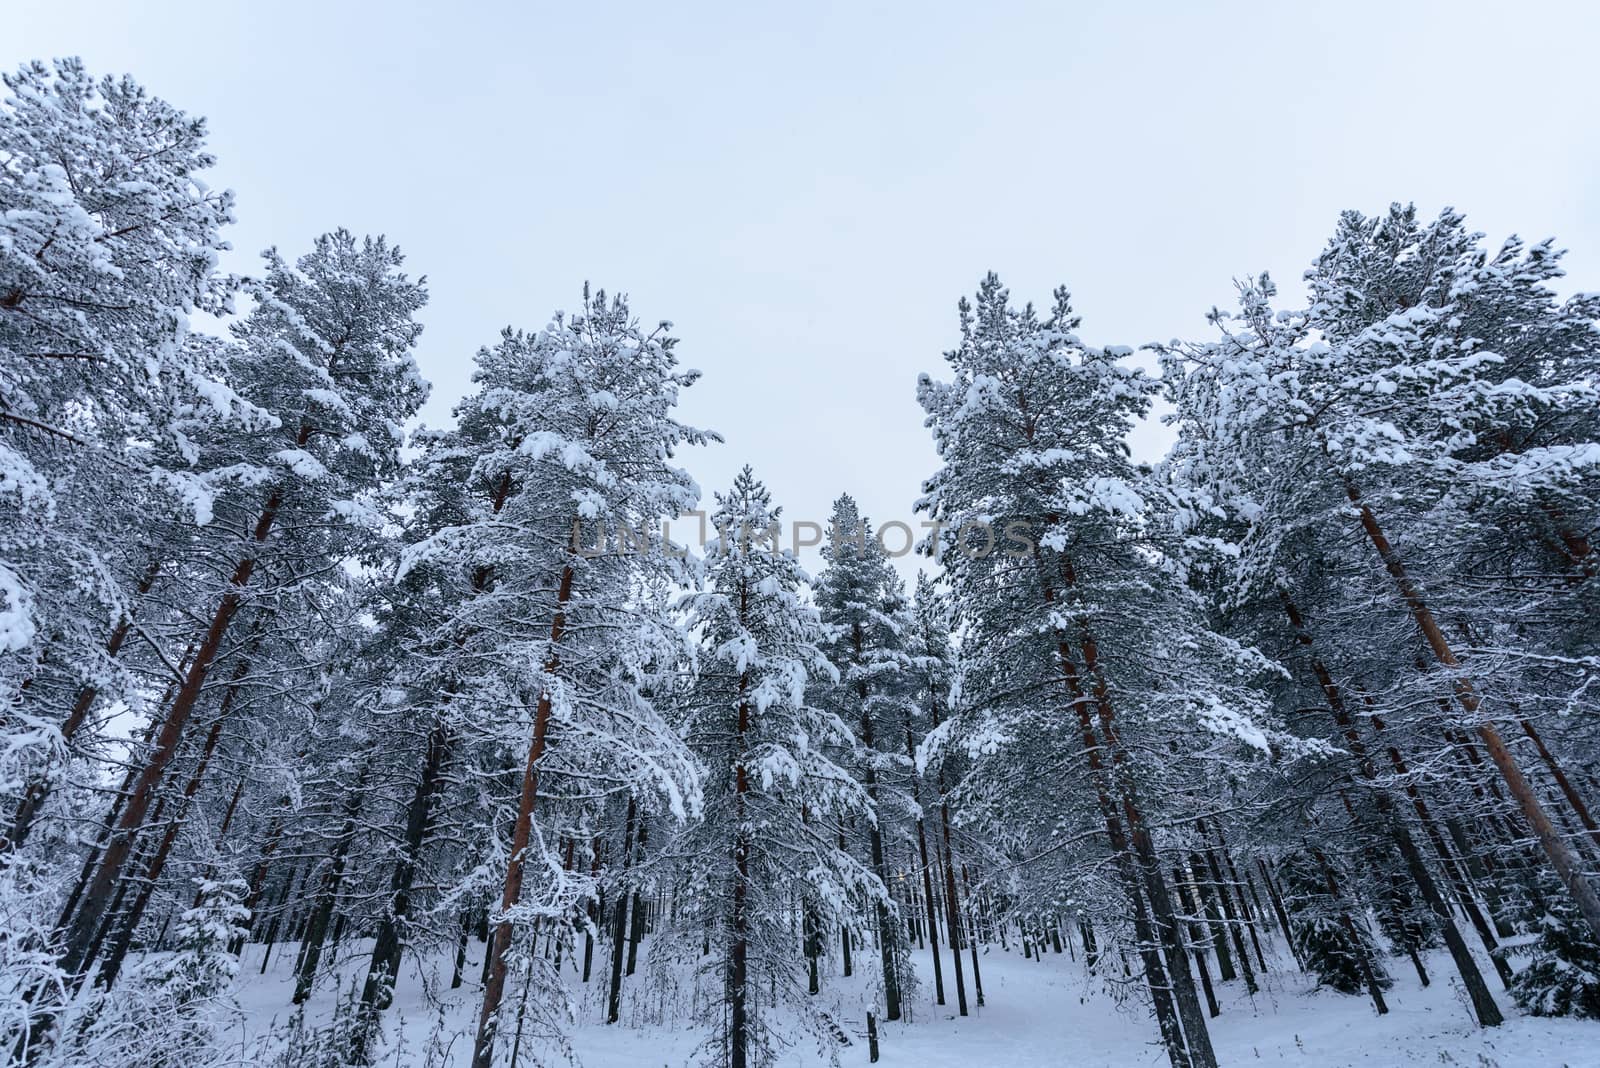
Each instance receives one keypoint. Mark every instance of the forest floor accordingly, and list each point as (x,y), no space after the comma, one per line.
(1036,1013)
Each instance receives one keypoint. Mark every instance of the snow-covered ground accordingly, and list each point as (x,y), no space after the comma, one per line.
(1044,1012)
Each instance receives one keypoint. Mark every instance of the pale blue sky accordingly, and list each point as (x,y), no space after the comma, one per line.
(805,190)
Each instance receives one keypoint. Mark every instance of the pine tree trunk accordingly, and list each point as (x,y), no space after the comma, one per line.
(378,990)
(619,930)
(811,947)
(1237,888)
(113,861)
(886,936)
(1483,1003)
(1195,940)
(952,905)
(1459,883)
(1357,944)
(222,833)
(1283,916)
(739,918)
(972,938)
(270,938)
(91,862)
(1562,859)
(1208,906)
(112,965)
(114,915)
(328,893)
(495,958)
(636,931)
(1179,1052)
(1559,774)
(1264,917)
(1196,1035)
(810,928)
(596,908)
(38,790)
(927,874)
(461,950)
(1221,892)
(258,878)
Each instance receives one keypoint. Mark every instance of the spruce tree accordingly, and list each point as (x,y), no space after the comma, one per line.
(859,599)
(1337,948)
(774,793)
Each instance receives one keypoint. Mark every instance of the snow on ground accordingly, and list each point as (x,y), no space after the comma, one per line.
(1037,1013)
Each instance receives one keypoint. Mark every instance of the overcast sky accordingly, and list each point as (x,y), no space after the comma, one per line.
(806,189)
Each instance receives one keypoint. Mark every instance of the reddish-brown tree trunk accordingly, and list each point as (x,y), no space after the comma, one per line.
(39,789)
(1196,1035)
(1157,978)
(494,988)
(1460,885)
(158,861)
(104,833)
(113,861)
(1562,859)
(1559,774)
(1483,1003)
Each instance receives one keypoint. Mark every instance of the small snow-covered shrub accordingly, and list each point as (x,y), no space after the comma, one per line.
(169,1010)
(1564,978)
(1336,952)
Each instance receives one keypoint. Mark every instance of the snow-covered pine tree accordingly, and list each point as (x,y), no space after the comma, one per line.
(1280,584)
(1389,409)
(175,1006)
(1086,639)
(860,601)
(109,238)
(326,350)
(1563,979)
(574,428)
(424,644)
(767,846)
(1306,605)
